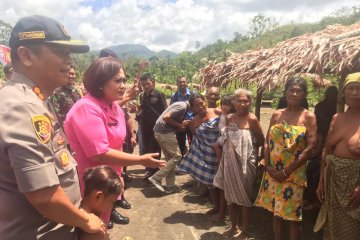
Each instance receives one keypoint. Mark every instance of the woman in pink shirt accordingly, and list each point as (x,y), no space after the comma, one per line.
(95,125)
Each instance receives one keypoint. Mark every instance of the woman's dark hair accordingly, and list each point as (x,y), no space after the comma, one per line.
(296,81)
(102,178)
(193,97)
(228,100)
(99,73)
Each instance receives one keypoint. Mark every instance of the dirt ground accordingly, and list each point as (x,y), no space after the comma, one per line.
(181,216)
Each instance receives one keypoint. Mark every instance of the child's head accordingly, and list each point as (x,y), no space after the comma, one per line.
(242,100)
(102,187)
(227,105)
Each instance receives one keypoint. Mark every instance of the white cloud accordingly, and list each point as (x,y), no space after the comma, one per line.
(165,24)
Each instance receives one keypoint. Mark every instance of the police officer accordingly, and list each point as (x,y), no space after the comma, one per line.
(39,185)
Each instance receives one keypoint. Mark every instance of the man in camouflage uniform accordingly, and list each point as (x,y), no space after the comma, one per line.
(65,97)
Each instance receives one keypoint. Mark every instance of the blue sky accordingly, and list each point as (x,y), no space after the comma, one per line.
(174,25)
(97,4)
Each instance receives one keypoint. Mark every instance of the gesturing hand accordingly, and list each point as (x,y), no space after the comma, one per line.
(131,92)
(149,160)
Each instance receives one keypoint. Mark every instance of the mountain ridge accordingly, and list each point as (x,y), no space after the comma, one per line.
(125,51)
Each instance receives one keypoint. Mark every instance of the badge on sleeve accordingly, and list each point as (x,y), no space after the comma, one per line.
(60,141)
(38,92)
(42,127)
(64,159)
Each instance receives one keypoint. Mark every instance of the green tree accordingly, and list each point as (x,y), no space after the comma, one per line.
(5,30)
(260,24)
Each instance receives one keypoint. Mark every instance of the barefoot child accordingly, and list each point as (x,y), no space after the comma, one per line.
(236,173)
(102,187)
(227,107)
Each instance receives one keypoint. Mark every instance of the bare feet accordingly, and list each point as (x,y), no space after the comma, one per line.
(242,236)
(232,232)
(212,211)
(216,218)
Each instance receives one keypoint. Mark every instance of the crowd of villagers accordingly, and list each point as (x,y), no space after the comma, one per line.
(309,160)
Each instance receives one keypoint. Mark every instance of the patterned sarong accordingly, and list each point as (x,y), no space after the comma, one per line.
(284,199)
(341,221)
(200,162)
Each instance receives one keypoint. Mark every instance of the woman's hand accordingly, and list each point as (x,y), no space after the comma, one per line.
(271,171)
(182,126)
(354,198)
(280,175)
(149,160)
(320,191)
(131,92)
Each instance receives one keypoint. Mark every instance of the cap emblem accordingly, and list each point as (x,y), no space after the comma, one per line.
(64,159)
(32,35)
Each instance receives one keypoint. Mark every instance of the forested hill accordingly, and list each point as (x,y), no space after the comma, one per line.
(126,51)
(264,32)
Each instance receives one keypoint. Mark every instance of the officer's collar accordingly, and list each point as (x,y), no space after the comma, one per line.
(20,78)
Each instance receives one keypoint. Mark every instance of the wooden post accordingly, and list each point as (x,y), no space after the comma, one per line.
(340,101)
(259,94)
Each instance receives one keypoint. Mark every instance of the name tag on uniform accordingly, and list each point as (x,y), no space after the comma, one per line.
(114,123)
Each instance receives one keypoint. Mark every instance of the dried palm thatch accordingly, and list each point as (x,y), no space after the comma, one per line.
(334,50)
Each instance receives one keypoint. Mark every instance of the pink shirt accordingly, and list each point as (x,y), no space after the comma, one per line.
(92,128)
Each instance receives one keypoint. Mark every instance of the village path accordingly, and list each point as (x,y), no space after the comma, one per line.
(181,216)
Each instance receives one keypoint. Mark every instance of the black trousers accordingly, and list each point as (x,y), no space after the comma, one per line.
(181,138)
(150,145)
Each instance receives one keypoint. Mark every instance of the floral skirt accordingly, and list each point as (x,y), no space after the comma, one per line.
(283,199)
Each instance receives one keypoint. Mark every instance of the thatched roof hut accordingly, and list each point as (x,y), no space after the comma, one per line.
(334,50)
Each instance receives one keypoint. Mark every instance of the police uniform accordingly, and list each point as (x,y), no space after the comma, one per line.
(33,156)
